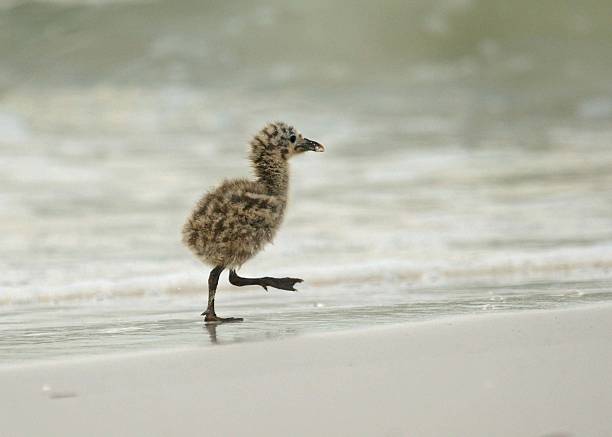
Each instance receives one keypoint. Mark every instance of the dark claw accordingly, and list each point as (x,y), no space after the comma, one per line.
(296,280)
(214,319)
(287,283)
(223,320)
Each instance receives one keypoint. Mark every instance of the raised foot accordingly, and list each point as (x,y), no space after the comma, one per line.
(213,318)
(281,283)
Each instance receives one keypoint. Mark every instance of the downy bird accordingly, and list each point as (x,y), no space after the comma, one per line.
(232,223)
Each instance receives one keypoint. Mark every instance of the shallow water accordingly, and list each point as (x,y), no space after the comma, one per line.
(112,326)
(468,164)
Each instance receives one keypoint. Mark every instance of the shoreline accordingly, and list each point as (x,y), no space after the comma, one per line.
(513,373)
(113,355)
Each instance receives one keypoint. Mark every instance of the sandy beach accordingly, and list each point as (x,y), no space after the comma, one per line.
(536,373)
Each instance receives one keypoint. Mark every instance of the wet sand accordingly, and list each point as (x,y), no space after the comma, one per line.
(532,373)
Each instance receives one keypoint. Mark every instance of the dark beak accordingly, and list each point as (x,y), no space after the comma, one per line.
(307,144)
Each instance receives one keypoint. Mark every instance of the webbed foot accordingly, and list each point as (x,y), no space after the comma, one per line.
(213,318)
(281,283)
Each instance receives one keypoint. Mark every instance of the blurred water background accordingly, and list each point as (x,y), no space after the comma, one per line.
(468,165)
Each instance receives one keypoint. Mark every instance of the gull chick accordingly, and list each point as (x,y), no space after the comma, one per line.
(232,223)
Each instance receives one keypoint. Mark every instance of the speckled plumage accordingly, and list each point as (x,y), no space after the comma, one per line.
(236,220)
(233,222)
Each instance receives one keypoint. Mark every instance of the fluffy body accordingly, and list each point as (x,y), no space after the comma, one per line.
(232,223)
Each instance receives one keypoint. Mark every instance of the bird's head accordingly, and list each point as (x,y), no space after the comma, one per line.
(280,139)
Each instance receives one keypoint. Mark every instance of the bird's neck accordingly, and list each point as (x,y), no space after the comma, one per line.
(273,173)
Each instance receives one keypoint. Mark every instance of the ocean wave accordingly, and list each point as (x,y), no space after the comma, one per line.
(491,270)
(76,41)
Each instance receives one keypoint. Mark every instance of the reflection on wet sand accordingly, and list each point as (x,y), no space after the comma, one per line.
(211,328)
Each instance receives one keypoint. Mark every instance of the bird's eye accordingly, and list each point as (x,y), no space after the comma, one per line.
(292,138)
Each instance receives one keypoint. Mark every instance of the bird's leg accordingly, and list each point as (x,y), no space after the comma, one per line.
(213,280)
(265,282)
(209,314)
